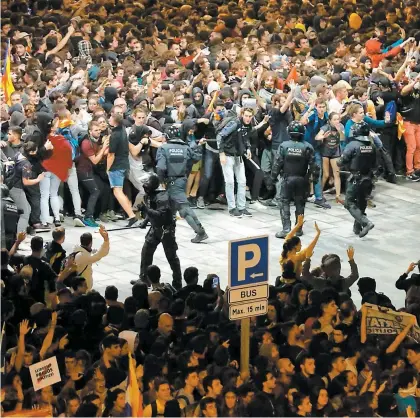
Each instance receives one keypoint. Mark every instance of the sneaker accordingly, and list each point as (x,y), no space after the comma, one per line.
(413,177)
(78,221)
(192,200)
(311,199)
(366,229)
(221,199)
(90,222)
(321,203)
(57,222)
(132,222)
(103,217)
(200,203)
(236,213)
(392,178)
(259,205)
(41,227)
(330,190)
(246,213)
(270,203)
(112,216)
(200,237)
(282,234)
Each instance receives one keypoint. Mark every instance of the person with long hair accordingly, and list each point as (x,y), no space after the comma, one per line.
(231,406)
(321,406)
(331,135)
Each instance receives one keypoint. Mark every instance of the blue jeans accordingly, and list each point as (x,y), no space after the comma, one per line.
(317,182)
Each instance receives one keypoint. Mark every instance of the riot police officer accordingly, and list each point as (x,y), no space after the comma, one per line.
(295,162)
(174,162)
(157,210)
(360,156)
(9,218)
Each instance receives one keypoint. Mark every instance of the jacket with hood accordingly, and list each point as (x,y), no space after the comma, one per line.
(84,260)
(197,108)
(110,94)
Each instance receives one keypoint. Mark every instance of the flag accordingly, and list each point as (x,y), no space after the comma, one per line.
(293,75)
(6,77)
(133,397)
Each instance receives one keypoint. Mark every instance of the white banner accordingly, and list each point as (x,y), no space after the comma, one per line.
(45,373)
(384,321)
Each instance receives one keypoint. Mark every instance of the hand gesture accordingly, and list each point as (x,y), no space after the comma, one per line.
(139,371)
(226,344)
(41,176)
(24,327)
(292,86)
(63,342)
(411,267)
(21,236)
(202,141)
(145,141)
(248,154)
(381,388)
(380,101)
(71,30)
(369,376)
(3,144)
(317,228)
(350,252)
(104,233)
(48,145)
(266,118)
(410,412)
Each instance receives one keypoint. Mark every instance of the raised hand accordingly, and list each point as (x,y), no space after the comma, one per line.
(350,252)
(24,327)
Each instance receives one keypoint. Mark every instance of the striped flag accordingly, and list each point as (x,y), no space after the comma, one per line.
(133,396)
(6,77)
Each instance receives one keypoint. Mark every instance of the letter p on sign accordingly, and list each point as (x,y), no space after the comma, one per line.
(245,261)
(248,261)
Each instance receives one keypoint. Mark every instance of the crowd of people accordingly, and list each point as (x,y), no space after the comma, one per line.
(98,98)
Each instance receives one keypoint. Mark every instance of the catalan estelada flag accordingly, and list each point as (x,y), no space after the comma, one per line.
(133,396)
(6,76)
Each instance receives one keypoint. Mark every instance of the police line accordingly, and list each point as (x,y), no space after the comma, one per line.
(384,321)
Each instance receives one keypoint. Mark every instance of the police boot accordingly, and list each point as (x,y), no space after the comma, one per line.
(299,232)
(366,229)
(286,227)
(201,236)
(357,228)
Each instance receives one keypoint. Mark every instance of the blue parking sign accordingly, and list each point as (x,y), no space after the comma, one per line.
(248,261)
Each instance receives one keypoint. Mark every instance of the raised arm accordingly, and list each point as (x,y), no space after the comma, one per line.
(290,96)
(49,337)
(401,336)
(296,228)
(311,246)
(24,328)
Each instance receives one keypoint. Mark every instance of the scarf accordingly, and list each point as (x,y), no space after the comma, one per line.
(408,392)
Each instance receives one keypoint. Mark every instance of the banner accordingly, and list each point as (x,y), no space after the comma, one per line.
(384,321)
(45,373)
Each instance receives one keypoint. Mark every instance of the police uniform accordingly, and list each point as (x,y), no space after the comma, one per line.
(157,210)
(9,219)
(174,162)
(360,156)
(295,162)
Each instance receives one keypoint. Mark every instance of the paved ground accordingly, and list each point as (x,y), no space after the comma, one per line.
(383,254)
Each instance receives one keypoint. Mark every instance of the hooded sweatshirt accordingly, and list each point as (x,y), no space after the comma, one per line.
(197,108)
(110,94)
(84,260)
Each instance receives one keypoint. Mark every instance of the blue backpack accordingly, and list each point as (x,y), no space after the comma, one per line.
(391,107)
(74,142)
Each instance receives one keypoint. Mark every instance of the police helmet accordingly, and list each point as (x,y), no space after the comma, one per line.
(4,190)
(173,132)
(296,130)
(152,183)
(360,129)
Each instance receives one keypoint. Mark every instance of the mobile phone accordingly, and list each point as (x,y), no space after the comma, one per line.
(249,103)
(216,282)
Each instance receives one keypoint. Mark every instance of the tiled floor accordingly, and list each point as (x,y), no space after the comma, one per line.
(383,254)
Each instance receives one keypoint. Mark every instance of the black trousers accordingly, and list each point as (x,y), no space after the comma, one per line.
(357,192)
(292,188)
(154,237)
(33,195)
(254,176)
(100,197)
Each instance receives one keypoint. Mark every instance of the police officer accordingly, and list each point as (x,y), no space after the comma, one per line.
(295,162)
(360,156)
(157,210)
(173,163)
(9,218)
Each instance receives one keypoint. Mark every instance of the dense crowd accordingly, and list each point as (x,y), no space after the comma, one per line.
(91,95)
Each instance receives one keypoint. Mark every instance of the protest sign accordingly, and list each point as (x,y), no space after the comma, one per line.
(45,373)
(384,321)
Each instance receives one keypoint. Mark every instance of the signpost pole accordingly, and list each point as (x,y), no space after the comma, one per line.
(245,331)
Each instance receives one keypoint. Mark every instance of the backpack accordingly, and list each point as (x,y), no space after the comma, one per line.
(391,107)
(69,279)
(74,142)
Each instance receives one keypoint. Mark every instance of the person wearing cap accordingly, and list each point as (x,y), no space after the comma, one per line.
(360,157)
(174,162)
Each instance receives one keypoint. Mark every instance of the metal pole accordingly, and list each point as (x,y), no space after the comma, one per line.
(245,331)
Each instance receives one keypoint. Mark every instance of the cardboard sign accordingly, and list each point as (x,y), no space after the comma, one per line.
(45,373)
(384,321)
